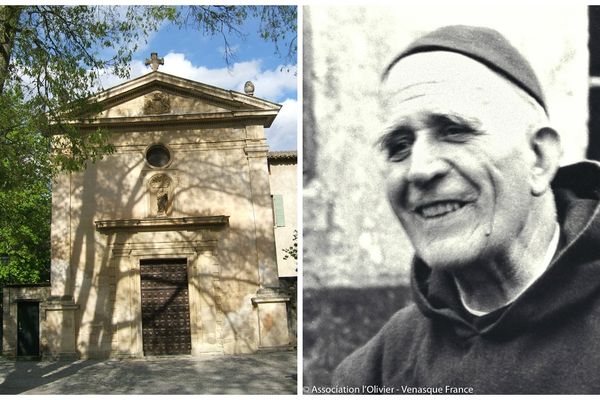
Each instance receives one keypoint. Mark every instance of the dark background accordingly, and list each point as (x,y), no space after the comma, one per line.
(339,320)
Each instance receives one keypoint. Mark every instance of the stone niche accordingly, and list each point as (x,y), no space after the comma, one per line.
(161,187)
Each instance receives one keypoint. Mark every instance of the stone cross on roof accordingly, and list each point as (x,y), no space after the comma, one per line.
(154,61)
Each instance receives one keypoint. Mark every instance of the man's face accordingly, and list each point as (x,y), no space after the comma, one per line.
(458,158)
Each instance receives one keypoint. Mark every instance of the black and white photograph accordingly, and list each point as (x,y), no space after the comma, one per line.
(451,199)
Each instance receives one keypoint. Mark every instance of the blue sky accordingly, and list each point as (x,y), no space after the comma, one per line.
(190,54)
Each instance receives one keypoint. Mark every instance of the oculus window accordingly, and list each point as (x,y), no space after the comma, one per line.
(158,156)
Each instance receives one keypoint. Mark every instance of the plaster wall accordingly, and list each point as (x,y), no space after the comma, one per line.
(284,181)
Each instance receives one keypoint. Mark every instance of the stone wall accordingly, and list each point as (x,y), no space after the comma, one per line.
(123,209)
(12,295)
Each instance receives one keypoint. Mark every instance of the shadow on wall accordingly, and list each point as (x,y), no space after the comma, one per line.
(337,321)
(114,188)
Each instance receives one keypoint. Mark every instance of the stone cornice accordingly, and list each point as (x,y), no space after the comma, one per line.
(256,148)
(143,90)
(270,295)
(154,79)
(260,117)
(162,224)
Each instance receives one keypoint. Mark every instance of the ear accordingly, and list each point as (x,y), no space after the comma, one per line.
(545,144)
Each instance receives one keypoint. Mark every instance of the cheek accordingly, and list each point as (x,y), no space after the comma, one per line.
(395,184)
(505,191)
(511,172)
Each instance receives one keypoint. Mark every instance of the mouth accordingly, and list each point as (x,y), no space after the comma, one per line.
(439,209)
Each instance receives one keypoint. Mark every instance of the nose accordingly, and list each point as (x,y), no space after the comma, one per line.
(427,163)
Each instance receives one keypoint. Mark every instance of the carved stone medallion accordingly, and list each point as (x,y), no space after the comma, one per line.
(157,103)
(160,181)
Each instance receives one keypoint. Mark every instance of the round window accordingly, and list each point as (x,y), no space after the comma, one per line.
(158,156)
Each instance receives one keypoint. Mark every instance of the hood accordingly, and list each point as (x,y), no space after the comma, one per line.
(571,280)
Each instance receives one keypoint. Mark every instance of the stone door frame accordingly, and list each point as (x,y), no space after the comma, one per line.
(130,241)
(201,262)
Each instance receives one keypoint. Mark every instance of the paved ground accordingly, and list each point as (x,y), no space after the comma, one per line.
(262,373)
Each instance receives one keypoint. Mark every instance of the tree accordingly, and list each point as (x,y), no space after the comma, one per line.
(50,61)
(278,25)
(51,58)
(292,251)
(24,196)
(25,234)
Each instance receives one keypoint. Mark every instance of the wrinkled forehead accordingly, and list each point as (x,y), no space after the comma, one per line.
(441,79)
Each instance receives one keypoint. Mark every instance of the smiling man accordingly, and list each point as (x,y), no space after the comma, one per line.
(506,277)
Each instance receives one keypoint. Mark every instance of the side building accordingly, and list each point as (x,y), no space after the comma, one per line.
(283,173)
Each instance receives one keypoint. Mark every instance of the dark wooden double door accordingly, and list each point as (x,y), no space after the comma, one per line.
(165,307)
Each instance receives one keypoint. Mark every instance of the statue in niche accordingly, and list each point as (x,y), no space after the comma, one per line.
(162,200)
(160,186)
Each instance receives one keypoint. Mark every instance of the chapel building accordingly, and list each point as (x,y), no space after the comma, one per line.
(167,246)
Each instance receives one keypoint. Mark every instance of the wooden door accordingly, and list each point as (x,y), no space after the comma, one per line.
(165,307)
(28,328)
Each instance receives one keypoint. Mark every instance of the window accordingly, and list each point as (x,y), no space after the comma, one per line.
(278,214)
(158,156)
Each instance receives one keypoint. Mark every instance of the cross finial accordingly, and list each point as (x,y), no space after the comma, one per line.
(154,61)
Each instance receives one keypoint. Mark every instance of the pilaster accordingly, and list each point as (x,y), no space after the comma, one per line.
(256,151)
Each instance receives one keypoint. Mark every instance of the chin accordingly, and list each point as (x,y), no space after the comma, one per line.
(447,258)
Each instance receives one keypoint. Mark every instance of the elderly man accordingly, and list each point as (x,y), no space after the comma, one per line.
(506,277)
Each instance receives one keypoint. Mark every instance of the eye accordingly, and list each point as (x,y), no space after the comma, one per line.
(456,132)
(397,145)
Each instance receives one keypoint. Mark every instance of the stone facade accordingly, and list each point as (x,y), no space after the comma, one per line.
(188,180)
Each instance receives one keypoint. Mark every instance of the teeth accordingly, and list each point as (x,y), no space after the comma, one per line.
(438,209)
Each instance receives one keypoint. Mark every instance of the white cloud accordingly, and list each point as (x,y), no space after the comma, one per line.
(283,133)
(270,84)
(108,80)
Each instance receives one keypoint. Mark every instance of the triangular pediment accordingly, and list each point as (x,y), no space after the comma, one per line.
(157,97)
